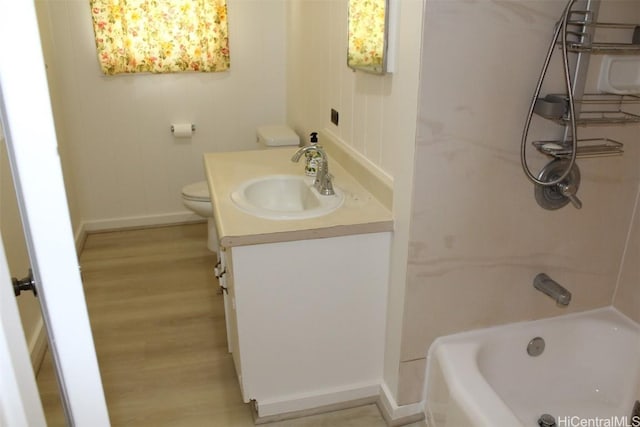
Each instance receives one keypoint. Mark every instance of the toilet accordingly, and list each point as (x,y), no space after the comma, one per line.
(196,196)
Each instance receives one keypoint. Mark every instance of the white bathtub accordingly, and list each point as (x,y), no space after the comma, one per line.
(589,371)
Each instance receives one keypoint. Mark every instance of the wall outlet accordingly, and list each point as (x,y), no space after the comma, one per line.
(335,117)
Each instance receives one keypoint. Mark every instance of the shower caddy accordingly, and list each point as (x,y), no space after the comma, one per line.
(556,185)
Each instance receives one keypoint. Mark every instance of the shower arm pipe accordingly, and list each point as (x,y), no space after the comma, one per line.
(561,29)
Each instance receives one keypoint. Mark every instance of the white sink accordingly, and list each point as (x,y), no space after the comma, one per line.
(284,197)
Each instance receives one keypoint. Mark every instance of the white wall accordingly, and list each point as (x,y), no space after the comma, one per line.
(123,160)
(377,117)
(58,103)
(377,113)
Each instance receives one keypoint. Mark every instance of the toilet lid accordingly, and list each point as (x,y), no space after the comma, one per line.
(198,191)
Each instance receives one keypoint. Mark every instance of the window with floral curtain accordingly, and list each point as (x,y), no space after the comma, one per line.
(161,36)
(366,33)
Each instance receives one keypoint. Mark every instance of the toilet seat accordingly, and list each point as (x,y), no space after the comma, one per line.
(198,192)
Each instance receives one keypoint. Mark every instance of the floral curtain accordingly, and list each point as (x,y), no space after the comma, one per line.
(161,36)
(366,33)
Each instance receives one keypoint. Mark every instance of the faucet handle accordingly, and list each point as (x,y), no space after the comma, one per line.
(569,191)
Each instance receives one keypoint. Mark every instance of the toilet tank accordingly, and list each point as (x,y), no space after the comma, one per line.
(277,136)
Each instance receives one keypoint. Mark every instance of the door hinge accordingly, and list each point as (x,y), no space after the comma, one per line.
(219,270)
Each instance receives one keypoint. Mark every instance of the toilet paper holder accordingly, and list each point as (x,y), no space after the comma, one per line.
(193,128)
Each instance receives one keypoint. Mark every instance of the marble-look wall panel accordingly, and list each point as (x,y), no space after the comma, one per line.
(478,238)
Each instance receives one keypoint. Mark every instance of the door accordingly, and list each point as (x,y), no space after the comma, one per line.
(19,400)
(25,115)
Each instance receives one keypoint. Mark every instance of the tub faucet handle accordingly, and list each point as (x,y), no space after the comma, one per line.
(569,191)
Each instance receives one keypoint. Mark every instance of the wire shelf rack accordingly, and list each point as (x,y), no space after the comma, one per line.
(582,20)
(596,109)
(591,147)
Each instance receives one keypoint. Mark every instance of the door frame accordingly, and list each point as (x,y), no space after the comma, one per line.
(25,113)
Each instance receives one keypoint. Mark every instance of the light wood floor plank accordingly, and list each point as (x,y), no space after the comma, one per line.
(159,331)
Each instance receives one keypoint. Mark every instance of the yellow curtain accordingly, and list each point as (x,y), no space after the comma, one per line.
(161,36)
(366,32)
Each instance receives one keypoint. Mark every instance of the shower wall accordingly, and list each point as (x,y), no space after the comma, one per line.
(478,237)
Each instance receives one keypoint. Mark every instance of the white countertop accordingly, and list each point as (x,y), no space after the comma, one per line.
(360,213)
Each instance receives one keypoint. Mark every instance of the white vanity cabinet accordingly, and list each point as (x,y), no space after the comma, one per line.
(306,319)
(306,302)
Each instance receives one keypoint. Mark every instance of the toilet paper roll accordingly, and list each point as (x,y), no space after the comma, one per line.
(182,130)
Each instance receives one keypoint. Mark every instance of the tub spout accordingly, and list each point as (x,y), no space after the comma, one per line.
(555,290)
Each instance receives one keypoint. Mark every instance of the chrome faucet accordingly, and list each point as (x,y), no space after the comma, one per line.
(555,290)
(322,182)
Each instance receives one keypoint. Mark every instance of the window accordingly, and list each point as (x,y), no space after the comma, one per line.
(161,36)
(367,35)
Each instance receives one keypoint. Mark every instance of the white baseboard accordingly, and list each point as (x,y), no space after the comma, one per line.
(395,415)
(131,222)
(303,406)
(80,237)
(298,406)
(141,221)
(38,345)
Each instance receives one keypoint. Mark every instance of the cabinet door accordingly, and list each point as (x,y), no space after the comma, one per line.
(232,317)
(311,320)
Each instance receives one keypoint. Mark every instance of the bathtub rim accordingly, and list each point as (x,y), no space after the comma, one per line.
(461,389)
